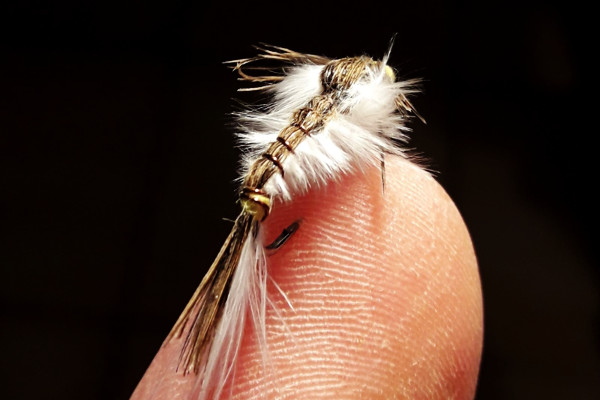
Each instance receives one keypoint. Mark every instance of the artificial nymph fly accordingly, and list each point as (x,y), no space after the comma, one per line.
(327,118)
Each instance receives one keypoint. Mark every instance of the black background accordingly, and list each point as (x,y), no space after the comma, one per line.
(118,159)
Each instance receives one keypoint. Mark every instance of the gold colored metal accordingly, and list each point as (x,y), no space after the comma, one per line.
(255,203)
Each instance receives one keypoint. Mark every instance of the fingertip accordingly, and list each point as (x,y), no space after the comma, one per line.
(377,295)
(385,290)
(162,380)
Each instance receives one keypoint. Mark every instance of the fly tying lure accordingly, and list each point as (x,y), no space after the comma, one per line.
(328,117)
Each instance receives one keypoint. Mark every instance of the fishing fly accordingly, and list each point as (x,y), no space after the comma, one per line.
(327,117)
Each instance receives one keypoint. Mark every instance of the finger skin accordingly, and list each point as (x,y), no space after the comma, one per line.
(385,293)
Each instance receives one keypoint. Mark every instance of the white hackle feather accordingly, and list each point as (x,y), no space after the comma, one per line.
(368,121)
(348,142)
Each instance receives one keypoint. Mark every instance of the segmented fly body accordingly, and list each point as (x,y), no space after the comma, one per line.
(328,118)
